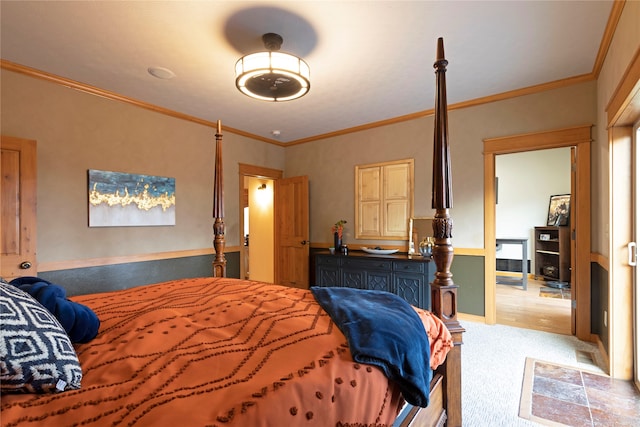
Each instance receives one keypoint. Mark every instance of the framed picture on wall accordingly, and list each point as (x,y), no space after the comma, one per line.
(119,199)
(559,206)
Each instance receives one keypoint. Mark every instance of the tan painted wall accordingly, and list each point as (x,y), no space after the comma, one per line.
(330,163)
(76,131)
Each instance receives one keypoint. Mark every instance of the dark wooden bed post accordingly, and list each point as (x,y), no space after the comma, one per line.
(444,292)
(219,262)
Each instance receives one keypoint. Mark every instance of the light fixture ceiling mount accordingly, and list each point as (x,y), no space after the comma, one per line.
(272,75)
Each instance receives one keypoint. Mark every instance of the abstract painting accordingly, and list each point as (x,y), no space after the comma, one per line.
(119,199)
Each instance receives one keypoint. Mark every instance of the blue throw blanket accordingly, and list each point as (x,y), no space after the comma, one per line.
(80,322)
(385,331)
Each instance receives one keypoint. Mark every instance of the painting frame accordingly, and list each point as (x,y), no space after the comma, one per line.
(559,210)
(119,199)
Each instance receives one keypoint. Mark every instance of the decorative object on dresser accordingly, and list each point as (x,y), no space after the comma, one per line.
(378,250)
(337,229)
(426,247)
(419,229)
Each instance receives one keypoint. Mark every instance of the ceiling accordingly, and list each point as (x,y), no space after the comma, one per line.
(370,61)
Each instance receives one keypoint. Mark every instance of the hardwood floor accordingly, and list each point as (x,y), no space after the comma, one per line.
(527,309)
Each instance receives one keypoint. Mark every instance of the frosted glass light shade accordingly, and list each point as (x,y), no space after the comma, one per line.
(272,76)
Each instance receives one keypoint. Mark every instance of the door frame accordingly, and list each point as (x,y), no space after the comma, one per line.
(633,256)
(622,110)
(245,170)
(579,137)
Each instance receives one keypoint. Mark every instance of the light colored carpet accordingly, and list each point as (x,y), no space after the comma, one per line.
(493,362)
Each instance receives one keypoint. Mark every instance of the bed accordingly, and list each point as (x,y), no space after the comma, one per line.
(219,351)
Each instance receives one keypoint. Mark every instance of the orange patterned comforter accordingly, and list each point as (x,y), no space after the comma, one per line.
(218,352)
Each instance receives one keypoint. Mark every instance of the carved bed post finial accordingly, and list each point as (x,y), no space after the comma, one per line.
(219,262)
(443,289)
(444,293)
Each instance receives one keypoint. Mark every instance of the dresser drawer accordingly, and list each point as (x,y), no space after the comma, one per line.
(409,266)
(408,278)
(327,260)
(366,264)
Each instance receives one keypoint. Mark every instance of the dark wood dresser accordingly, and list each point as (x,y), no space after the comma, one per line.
(409,278)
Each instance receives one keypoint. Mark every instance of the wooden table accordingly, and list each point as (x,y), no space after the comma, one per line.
(523,242)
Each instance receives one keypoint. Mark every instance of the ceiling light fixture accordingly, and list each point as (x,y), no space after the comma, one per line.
(272,76)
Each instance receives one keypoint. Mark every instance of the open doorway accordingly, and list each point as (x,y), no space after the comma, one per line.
(527,295)
(256,222)
(258,229)
(284,253)
(580,139)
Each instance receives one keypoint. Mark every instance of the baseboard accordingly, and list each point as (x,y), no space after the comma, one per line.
(530,276)
(472,318)
(603,354)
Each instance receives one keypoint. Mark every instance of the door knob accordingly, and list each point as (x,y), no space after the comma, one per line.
(304,242)
(25,265)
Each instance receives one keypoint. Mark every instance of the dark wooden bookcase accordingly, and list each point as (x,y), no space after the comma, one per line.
(553,253)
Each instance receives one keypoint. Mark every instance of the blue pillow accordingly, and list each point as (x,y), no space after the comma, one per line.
(80,322)
(36,355)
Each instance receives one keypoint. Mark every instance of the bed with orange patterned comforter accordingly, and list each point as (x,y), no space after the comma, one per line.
(218,352)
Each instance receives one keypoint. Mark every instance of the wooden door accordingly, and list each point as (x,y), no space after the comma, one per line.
(632,247)
(18,223)
(572,241)
(292,231)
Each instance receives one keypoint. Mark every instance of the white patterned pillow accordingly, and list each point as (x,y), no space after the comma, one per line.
(36,353)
